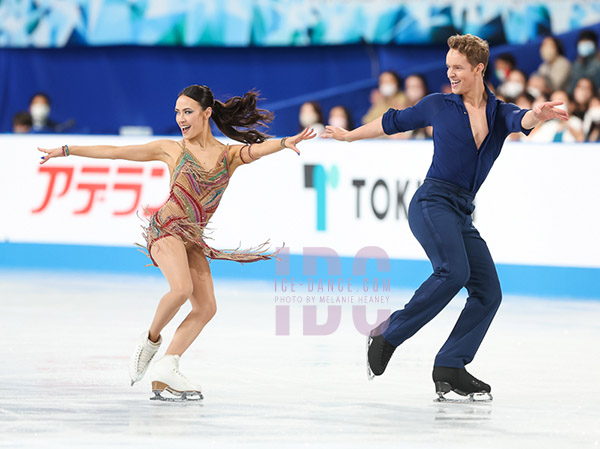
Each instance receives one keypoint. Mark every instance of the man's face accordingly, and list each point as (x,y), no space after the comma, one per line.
(462,75)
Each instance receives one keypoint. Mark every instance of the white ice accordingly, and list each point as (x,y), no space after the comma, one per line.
(65,340)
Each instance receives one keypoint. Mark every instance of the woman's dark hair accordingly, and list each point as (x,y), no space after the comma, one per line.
(560,48)
(348,117)
(237,112)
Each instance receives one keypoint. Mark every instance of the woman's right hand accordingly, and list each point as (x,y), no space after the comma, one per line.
(53,152)
(335,132)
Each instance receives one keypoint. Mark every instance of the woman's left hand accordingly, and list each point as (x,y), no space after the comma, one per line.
(291,142)
(50,153)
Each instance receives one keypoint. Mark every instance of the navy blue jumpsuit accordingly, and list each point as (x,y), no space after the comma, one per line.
(440,218)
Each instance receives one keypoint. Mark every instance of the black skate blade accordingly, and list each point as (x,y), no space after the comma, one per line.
(443,388)
(185,397)
(370,374)
(472,398)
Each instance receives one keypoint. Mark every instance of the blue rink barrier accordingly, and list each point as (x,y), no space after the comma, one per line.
(528,280)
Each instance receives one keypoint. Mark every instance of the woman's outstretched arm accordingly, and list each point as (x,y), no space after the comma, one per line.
(159,150)
(244,154)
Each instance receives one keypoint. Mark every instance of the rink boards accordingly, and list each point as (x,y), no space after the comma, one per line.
(537,211)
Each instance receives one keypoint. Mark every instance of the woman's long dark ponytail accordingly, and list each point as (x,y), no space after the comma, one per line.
(237,112)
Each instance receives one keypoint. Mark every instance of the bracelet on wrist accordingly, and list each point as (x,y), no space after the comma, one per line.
(282,143)
(65,150)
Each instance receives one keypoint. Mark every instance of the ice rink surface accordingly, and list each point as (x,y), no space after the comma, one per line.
(67,337)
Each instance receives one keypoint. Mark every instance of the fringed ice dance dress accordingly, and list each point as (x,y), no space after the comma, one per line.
(194,197)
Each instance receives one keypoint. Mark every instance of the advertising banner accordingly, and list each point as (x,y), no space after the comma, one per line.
(538,205)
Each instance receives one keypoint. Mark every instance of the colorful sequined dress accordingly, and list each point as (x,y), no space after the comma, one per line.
(194,197)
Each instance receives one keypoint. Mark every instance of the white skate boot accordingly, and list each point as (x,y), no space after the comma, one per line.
(167,377)
(142,355)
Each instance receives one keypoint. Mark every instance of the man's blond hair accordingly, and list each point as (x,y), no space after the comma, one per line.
(474,48)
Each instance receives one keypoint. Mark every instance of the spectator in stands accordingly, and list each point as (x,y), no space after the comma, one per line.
(584,91)
(524,101)
(387,95)
(22,122)
(514,85)
(591,121)
(311,116)
(39,108)
(587,64)
(539,85)
(503,65)
(556,67)
(559,130)
(341,117)
(415,88)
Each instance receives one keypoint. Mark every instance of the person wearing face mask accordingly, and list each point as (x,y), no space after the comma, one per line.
(39,109)
(388,95)
(311,116)
(415,89)
(341,117)
(514,85)
(503,65)
(538,85)
(587,64)
(201,168)
(555,66)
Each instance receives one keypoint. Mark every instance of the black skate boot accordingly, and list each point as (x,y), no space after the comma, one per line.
(379,351)
(461,382)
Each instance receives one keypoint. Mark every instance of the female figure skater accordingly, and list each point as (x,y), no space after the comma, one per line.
(469,128)
(200,168)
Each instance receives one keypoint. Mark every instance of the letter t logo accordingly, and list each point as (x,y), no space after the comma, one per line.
(317,178)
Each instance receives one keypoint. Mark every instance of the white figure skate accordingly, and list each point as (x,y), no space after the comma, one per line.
(143,353)
(167,377)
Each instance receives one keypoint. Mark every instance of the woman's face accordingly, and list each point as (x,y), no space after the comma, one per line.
(190,116)
(337,117)
(583,91)
(548,50)
(388,85)
(414,89)
(308,116)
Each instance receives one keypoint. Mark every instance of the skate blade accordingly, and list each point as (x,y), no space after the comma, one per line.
(470,399)
(158,388)
(193,396)
(370,374)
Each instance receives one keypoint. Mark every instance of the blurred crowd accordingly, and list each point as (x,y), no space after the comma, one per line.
(36,119)
(575,83)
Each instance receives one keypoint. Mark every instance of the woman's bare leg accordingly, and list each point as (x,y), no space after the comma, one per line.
(171,256)
(203,302)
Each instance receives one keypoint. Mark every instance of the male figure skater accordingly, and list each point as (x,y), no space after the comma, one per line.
(469,128)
